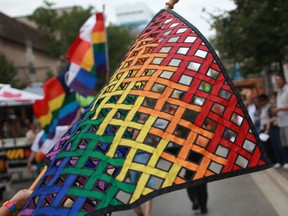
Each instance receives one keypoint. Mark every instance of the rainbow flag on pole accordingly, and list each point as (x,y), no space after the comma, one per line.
(58,107)
(88,56)
(169,118)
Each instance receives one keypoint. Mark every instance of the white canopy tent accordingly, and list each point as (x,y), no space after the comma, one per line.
(15,97)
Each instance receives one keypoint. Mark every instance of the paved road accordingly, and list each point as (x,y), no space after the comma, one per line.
(259,194)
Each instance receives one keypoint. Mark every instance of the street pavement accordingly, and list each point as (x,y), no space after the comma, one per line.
(263,193)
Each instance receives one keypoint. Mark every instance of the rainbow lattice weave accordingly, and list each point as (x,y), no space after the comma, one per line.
(171,99)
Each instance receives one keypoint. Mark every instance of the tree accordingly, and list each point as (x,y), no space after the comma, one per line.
(7,71)
(119,42)
(59,28)
(254,34)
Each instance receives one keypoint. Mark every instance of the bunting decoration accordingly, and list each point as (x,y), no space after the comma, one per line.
(58,107)
(169,118)
(87,56)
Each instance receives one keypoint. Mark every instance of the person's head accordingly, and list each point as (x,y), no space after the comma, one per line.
(279,80)
(262,99)
(273,97)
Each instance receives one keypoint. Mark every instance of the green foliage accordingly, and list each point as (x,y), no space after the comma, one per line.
(7,71)
(255,34)
(59,28)
(119,42)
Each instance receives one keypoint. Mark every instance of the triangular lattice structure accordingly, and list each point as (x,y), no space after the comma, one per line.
(170,116)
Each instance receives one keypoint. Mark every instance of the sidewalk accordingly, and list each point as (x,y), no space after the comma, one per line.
(280,177)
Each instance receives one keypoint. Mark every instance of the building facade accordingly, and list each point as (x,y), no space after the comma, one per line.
(22,45)
(134,16)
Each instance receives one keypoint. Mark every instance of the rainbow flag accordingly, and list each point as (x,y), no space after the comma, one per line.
(58,107)
(88,56)
(169,118)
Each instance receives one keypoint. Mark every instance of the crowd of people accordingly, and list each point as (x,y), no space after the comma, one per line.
(269,114)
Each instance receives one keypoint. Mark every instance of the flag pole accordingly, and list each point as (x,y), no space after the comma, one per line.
(170,4)
(34,184)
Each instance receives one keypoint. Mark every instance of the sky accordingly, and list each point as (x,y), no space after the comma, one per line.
(191,10)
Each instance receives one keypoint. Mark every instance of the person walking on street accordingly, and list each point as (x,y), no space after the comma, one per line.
(281,111)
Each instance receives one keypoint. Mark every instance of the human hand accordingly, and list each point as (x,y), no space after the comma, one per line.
(20,198)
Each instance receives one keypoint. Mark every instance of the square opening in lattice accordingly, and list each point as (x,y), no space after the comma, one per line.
(194,157)
(222,151)
(142,157)
(205,86)
(213,73)
(210,125)
(140,117)
(90,204)
(225,94)
(141,61)
(123,86)
(190,39)
(201,53)
(158,88)
(186,174)
(61,180)
(175,62)
(130,99)
(93,128)
(113,171)
(218,109)
(173,148)
(91,163)
(185,80)
(111,130)
(229,135)
(166,74)
(237,119)
(157,61)
(215,167)
(181,30)
(163,165)
(80,182)
(101,186)
(149,50)
(173,39)
(140,85)
(241,161)
(161,123)
(165,49)
(123,197)
(103,112)
(132,73)
(183,50)
(121,114)
(190,115)
(249,146)
(121,151)
(154,182)
(152,140)
(168,20)
(181,132)
(198,100)
(132,177)
(72,162)
(173,25)
(148,72)
(46,180)
(102,147)
(167,33)
(194,66)
(131,133)
(48,200)
(202,141)
(178,94)
(149,102)
(113,99)
(68,201)
(56,163)
(169,108)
